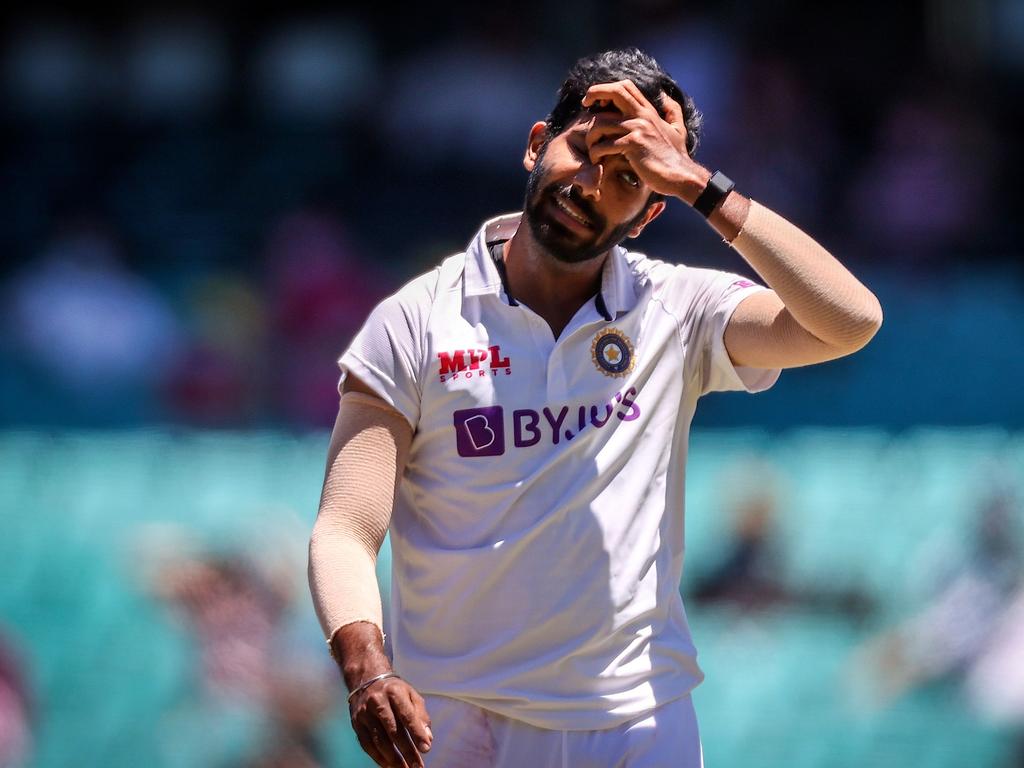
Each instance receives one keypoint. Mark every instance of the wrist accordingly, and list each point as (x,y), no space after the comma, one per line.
(716,192)
(369,682)
(689,188)
(357,668)
(358,671)
(358,649)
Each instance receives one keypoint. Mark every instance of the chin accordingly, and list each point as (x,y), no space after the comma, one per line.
(563,245)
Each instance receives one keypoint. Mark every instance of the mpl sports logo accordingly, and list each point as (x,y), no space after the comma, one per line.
(481,431)
(467,363)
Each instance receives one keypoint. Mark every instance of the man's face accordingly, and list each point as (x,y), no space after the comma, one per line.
(577,210)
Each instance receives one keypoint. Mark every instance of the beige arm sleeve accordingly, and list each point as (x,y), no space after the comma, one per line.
(369,448)
(820,310)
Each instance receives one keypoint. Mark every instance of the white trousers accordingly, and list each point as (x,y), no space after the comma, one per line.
(466,736)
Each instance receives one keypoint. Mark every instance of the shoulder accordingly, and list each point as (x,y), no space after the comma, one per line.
(666,280)
(647,272)
(683,289)
(420,293)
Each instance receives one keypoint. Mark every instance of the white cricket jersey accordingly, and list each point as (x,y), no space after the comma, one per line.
(537,537)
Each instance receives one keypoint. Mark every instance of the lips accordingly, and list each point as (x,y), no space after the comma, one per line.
(567,212)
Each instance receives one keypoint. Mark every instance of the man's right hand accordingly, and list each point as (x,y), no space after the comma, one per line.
(391,722)
(389,717)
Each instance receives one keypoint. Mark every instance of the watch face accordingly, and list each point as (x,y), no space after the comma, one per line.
(719,185)
(722,182)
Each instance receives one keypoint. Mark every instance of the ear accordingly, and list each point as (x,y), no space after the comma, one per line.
(649,215)
(538,134)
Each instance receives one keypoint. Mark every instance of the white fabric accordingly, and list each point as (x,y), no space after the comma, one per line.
(466,736)
(537,536)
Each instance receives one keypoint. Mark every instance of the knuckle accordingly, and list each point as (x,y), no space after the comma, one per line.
(402,707)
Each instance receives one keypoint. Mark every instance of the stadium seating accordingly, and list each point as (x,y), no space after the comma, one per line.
(115,676)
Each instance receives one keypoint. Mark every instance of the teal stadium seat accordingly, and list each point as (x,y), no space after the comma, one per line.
(115,677)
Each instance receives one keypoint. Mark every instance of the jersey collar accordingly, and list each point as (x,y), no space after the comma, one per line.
(482,278)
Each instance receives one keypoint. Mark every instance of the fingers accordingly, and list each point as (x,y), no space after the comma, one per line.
(613,137)
(397,730)
(673,112)
(624,94)
(390,752)
(366,741)
(415,722)
(627,97)
(674,116)
(603,129)
(392,725)
(611,146)
(376,743)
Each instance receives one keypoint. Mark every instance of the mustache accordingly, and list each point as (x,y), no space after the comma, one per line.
(569,192)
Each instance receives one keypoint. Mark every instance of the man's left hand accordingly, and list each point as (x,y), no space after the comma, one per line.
(654,147)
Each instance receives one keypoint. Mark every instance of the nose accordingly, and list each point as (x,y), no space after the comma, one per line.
(588,180)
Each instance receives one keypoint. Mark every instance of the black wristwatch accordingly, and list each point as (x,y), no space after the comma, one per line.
(719,185)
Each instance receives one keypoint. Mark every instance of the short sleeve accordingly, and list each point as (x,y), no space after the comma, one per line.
(709,297)
(387,353)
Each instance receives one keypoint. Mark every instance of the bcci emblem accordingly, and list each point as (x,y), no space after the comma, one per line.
(612,352)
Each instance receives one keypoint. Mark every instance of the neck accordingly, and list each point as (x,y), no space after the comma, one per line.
(553,289)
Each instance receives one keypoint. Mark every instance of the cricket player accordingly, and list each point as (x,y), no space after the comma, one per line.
(519,417)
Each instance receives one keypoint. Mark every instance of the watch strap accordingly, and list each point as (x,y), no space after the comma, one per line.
(719,185)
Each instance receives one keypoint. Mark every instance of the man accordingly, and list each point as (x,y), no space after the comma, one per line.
(519,417)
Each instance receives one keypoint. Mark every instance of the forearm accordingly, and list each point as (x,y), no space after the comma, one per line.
(343,584)
(368,449)
(346,598)
(818,291)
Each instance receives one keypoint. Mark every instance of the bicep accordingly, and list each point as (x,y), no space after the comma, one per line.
(390,418)
(763,334)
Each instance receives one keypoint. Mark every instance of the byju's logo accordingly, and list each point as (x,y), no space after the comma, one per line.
(480,431)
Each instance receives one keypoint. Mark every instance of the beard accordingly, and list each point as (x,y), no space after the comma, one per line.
(564,244)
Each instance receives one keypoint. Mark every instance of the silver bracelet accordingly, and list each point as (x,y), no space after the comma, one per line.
(363,686)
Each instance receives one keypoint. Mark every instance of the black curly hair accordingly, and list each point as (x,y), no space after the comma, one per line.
(623,64)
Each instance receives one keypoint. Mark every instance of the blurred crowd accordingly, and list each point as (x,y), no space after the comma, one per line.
(109,345)
(200,209)
(259,691)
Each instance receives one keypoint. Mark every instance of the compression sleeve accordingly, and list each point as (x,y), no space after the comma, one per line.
(369,448)
(819,292)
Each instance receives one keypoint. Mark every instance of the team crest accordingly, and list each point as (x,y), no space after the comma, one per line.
(612,352)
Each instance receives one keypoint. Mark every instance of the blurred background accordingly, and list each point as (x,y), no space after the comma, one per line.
(198,208)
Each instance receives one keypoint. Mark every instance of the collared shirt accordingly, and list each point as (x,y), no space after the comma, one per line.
(537,536)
